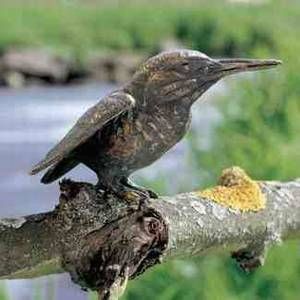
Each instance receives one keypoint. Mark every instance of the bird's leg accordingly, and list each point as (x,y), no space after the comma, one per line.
(128,183)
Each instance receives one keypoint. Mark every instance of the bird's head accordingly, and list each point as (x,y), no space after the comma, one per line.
(185,74)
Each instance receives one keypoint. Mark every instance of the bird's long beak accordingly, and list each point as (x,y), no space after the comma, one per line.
(231,66)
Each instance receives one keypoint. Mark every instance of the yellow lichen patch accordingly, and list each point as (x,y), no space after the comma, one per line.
(236,190)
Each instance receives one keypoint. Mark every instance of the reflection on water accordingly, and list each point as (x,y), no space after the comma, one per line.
(31,121)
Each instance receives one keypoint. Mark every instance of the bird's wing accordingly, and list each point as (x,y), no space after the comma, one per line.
(92,120)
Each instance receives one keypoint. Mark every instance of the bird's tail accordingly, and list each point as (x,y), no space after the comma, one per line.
(59,170)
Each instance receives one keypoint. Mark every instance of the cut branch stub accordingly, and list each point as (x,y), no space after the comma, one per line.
(120,250)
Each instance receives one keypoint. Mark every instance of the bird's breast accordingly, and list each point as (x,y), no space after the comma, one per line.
(162,130)
(144,139)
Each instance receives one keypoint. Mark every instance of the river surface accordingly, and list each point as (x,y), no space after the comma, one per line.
(32,120)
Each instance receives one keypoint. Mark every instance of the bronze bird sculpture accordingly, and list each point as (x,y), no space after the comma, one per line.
(135,125)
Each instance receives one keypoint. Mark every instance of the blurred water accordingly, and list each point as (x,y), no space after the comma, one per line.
(31,121)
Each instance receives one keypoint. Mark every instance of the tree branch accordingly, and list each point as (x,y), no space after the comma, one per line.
(29,247)
(102,241)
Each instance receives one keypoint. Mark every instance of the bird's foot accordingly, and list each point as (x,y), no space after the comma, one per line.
(135,198)
(129,184)
(125,190)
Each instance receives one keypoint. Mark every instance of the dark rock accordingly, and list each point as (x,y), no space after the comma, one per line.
(36,63)
(113,67)
(19,67)
(13,79)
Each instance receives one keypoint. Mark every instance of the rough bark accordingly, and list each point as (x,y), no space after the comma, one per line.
(102,241)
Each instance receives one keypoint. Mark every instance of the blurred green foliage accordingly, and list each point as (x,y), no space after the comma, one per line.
(3,295)
(260,127)
(77,28)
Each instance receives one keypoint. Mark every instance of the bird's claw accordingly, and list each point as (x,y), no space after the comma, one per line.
(136,198)
(152,194)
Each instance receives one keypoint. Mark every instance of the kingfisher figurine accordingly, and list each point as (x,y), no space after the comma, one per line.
(135,125)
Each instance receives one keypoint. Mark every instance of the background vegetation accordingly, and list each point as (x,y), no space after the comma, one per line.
(260,126)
